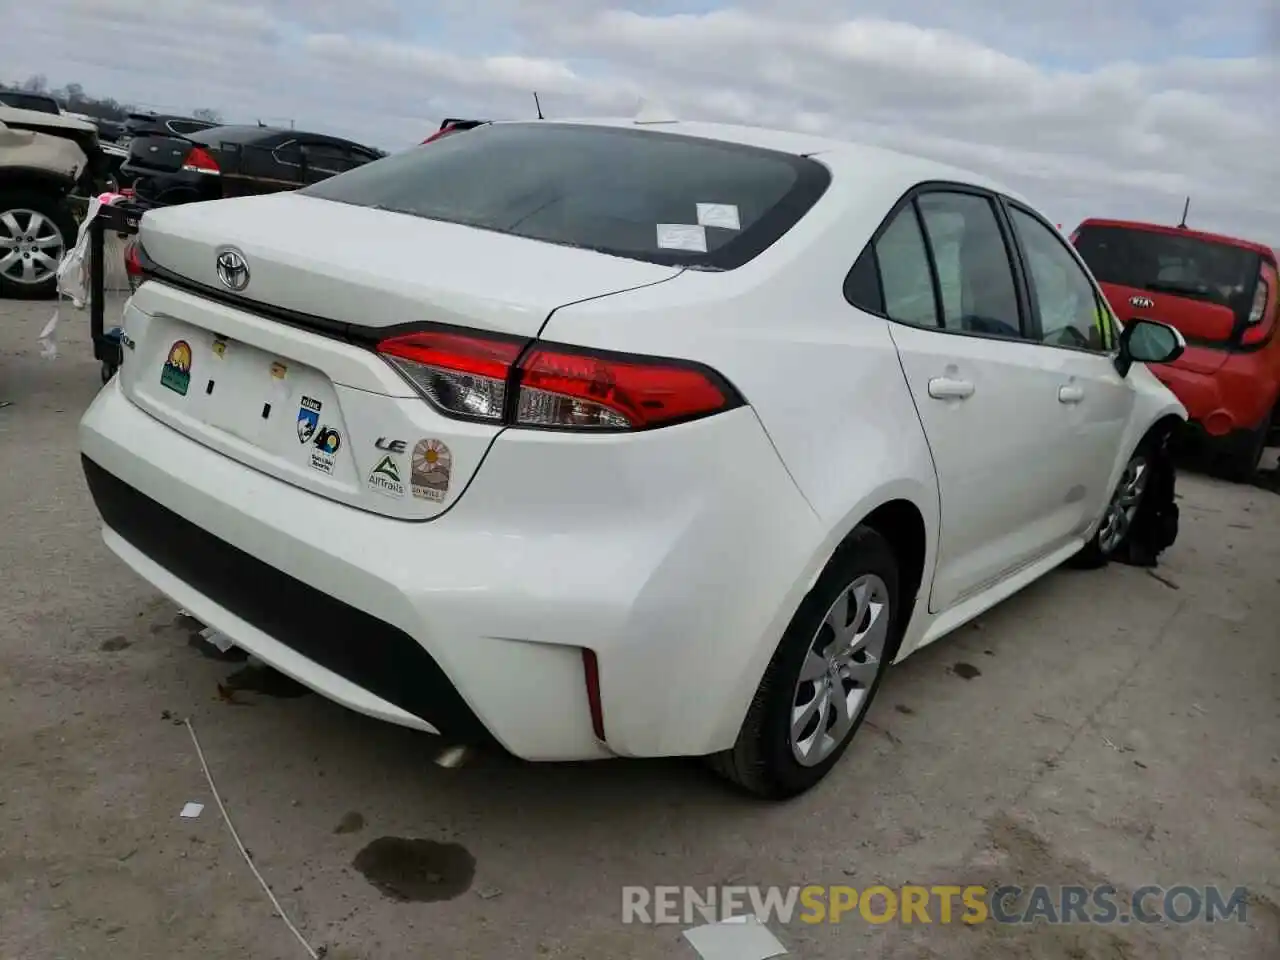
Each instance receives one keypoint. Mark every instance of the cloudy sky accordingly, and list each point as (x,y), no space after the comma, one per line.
(1090,107)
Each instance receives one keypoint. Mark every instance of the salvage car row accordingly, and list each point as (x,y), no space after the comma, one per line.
(47,156)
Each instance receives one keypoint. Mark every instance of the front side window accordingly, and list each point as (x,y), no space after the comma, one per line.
(642,194)
(1068,305)
(975,275)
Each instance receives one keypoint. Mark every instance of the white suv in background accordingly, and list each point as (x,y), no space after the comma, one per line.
(600,439)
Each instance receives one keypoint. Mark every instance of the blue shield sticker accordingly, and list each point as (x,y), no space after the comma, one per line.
(308,419)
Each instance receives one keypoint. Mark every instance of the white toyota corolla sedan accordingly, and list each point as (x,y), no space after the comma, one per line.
(616,439)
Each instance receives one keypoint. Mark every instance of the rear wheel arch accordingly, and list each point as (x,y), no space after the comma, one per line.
(902,524)
(890,541)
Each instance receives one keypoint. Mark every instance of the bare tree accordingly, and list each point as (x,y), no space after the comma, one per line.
(207,114)
(36,83)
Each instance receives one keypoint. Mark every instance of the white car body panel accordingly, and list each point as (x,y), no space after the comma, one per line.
(678,555)
(380,269)
(23,148)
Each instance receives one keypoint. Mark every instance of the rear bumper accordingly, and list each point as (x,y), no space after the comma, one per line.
(1236,398)
(678,566)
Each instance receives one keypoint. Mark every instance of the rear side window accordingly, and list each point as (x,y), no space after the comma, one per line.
(647,195)
(975,276)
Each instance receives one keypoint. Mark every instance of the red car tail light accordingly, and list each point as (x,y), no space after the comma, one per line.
(461,375)
(571,390)
(133,265)
(1257,329)
(551,386)
(199,160)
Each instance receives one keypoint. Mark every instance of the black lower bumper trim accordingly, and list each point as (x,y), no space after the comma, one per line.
(367,651)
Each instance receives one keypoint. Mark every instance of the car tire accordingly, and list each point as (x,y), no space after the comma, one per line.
(54,215)
(777,759)
(1107,540)
(1241,463)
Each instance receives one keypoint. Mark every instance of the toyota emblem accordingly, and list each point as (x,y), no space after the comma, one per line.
(233,271)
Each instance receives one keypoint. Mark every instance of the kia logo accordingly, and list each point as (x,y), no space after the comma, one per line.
(1142,303)
(232,269)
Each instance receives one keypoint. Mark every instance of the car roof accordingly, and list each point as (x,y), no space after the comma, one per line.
(879,163)
(1258,248)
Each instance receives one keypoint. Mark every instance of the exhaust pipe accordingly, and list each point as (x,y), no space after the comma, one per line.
(453,757)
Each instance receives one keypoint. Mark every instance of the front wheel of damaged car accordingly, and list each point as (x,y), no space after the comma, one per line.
(823,677)
(1122,510)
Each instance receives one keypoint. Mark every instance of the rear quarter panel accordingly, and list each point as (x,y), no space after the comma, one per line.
(823,378)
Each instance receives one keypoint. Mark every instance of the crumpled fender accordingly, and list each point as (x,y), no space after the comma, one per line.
(40,154)
(1155,526)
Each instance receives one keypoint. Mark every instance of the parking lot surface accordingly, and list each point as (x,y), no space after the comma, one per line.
(1118,726)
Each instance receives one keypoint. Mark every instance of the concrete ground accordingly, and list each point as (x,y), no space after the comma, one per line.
(1120,726)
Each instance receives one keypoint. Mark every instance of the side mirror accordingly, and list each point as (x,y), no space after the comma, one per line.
(1148,341)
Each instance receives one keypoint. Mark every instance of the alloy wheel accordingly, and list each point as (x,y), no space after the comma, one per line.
(1118,519)
(31,246)
(844,659)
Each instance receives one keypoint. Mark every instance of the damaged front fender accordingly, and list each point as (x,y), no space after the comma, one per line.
(1155,525)
(27,154)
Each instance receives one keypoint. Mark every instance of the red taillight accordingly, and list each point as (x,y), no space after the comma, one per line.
(591,672)
(442,132)
(133,265)
(555,387)
(1257,330)
(462,375)
(199,160)
(570,389)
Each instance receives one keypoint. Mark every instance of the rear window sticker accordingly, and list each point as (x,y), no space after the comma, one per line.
(308,419)
(430,469)
(328,441)
(176,372)
(385,478)
(682,236)
(723,215)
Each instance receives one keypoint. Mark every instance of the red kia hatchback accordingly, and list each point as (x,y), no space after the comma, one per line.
(1221,293)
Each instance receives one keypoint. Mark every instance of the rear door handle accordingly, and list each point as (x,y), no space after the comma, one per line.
(1070,394)
(944,388)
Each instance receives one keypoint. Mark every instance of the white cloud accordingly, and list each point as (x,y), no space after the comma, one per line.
(1091,107)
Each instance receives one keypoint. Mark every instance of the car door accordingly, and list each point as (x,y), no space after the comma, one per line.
(1072,322)
(984,391)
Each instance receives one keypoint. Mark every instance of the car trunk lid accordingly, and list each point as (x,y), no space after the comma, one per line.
(158,154)
(280,375)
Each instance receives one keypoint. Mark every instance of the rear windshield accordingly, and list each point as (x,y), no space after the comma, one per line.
(1163,263)
(29,101)
(646,195)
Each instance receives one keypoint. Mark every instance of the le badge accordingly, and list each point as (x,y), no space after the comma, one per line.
(176,372)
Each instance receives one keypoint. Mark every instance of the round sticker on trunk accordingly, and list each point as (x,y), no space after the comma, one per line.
(432,464)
